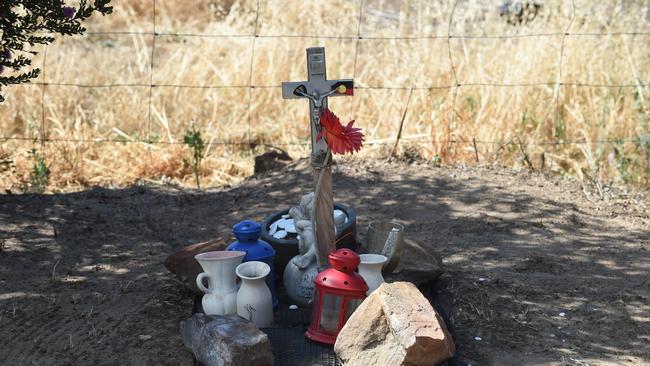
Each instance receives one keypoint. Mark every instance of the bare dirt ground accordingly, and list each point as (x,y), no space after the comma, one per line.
(82,280)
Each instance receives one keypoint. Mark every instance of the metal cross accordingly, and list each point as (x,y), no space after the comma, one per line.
(317,89)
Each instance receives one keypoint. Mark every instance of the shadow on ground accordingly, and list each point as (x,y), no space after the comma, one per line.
(82,279)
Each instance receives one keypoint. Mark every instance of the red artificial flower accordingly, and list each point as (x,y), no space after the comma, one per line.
(340,139)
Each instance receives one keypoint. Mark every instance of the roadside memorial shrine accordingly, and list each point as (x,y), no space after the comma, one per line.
(297,278)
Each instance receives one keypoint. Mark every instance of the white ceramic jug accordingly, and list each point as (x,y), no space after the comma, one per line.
(254,300)
(370,269)
(221,294)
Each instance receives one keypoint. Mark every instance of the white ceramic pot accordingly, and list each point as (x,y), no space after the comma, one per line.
(219,268)
(254,300)
(370,269)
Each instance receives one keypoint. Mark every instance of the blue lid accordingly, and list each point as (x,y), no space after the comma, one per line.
(247,230)
(247,233)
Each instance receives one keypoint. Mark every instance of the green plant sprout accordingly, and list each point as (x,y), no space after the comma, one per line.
(40,174)
(194,141)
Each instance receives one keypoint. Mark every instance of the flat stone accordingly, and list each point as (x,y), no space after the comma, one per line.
(282,223)
(280,234)
(226,341)
(273,228)
(290,229)
(183,264)
(395,325)
(419,264)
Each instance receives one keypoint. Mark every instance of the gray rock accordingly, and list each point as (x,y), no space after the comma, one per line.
(226,340)
(419,264)
(270,161)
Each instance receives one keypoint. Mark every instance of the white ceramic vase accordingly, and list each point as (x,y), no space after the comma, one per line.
(220,296)
(370,269)
(254,300)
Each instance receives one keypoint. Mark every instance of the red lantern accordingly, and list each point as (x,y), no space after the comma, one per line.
(339,291)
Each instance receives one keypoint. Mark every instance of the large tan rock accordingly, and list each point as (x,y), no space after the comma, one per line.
(395,325)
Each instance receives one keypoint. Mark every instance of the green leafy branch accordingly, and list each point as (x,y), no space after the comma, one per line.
(30,22)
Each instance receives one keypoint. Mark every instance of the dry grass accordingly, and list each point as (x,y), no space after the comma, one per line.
(486,113)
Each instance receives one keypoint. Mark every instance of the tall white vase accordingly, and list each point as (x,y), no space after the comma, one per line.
(220,296)
(370,269)
(254,300)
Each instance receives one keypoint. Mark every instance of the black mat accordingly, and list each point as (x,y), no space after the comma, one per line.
(290,347)
(288,342)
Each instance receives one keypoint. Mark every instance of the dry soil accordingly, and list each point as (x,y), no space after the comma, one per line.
(538,270)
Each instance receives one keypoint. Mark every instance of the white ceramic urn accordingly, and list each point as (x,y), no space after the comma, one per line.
(254,300)
(220,296)
(370,269)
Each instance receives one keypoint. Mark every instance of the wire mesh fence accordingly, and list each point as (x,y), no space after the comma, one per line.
(454,86)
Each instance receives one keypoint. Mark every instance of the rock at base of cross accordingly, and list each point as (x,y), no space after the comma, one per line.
(183,264)
(395,325)
(226,341)
(270,161)
(419,264)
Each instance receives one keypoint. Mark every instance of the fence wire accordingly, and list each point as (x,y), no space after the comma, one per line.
(456,86)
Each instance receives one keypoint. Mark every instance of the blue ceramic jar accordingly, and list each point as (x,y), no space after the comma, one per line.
(248,240)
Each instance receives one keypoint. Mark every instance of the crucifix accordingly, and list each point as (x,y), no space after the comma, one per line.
(316,90)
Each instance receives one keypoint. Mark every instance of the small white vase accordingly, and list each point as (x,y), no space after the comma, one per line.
(254,300)
(370,269)
(221,294)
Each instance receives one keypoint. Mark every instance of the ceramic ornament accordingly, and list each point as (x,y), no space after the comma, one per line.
(301,270)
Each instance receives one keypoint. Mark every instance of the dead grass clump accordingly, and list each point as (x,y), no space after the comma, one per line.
(508,109)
